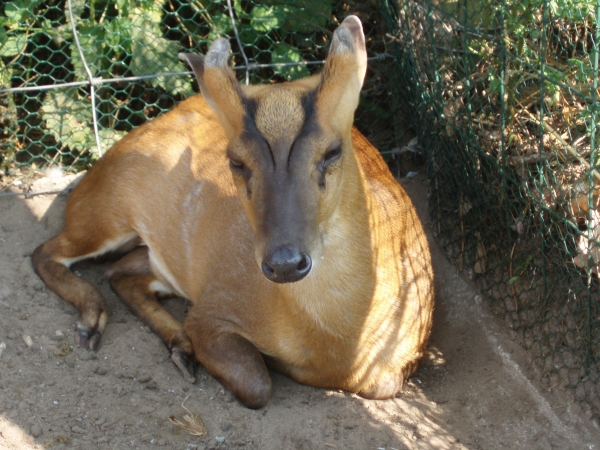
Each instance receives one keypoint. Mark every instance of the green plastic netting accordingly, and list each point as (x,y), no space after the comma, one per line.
(503,96)
(500,96)
(57,57)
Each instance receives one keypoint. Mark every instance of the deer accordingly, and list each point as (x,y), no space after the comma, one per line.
(277,220)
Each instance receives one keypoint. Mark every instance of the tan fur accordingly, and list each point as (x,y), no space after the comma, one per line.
(358,321)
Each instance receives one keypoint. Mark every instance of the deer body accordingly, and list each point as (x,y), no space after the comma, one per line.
(278,221)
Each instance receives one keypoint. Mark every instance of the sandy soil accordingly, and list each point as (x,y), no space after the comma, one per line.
(478,389)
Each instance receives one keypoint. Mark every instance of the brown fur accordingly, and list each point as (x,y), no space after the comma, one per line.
(358,321)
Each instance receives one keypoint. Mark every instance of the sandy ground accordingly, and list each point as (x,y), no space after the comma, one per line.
(478,389)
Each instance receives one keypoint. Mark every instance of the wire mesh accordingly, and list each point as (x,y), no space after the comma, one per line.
(504,96)
(76,75)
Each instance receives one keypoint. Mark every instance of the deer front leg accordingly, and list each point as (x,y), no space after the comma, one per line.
(230,358)
(140,291)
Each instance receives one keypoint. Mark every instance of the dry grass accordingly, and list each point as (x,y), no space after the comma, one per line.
(190,423)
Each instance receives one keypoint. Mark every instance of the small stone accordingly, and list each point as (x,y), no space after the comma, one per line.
(5,292)
(152,385)
(145,409)
(226,426)
(120,391)
(144,378)
(129,373)
(87,356)
(101,370)
(36,430)
(28,341)
(37,284)
(13,335)
(76,429)
(2,347)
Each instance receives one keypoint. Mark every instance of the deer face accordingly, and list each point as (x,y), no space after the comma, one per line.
(289,145)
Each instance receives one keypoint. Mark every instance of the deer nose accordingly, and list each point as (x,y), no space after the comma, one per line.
(286,265)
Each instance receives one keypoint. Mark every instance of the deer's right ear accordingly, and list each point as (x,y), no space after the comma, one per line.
(218,85)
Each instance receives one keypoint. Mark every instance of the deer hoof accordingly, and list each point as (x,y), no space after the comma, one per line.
(88,340)
(185,364)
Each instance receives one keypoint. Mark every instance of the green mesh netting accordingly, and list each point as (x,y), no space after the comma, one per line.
(503,95)
(46,114)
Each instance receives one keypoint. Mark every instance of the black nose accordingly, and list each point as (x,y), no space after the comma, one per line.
(286,265)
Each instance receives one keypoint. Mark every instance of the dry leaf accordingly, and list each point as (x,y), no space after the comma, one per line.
(481,263)
(588,251)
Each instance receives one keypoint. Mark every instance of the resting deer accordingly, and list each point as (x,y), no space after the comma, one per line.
(274,217)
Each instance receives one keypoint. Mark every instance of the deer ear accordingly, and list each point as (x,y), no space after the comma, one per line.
(218,85)
(344,73)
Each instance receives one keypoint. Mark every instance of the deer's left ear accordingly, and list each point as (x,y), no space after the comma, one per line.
(218,85)
(344,73)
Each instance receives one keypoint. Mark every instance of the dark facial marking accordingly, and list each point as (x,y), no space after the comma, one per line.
(250,129)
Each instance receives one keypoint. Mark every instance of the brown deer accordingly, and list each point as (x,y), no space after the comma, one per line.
(274,217)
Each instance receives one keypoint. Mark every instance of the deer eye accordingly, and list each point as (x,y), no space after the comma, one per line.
(331,156)
(236,165)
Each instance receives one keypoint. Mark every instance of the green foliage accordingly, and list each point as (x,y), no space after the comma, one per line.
(573,9)
(266,22)
(136,37)
(36,38)
(547,47)
(128,38)
(504,97)
(152,53)
(13,45)
(21,11)
(68,119)
(267,18)
(283,53)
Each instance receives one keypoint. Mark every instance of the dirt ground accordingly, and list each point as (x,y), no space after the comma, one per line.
(478,389)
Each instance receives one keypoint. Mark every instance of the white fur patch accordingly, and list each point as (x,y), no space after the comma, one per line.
(107,247)
(161,288)
(159,267)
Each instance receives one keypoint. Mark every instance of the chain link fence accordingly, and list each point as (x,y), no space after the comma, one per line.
(77,75)
(501,96)
(504,96)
